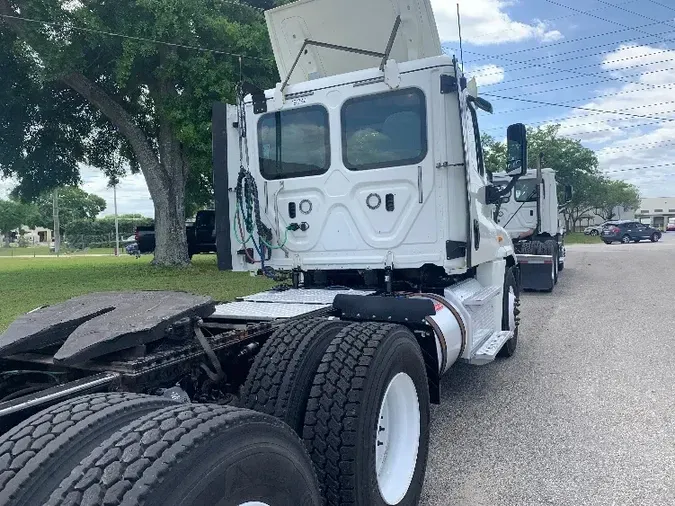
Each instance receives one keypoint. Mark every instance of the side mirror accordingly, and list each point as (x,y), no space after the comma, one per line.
(516,150)
(569,192)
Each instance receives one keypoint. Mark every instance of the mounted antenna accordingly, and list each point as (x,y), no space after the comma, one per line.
(461,49)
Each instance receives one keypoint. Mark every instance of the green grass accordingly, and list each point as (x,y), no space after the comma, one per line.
(27,283)
(580,238)
(44,250)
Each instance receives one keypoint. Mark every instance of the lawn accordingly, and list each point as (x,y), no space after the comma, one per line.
(27,283)
(44,250)
(580,238)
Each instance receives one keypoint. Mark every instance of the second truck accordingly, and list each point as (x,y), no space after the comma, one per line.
(529,210)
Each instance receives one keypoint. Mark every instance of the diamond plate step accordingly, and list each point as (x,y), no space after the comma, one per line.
(491,347)
(483,296)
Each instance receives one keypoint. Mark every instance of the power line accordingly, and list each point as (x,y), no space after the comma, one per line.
(626,58)
(639,74)
(633,146)
(639,168)
(578,39)
(660,4)
(568,118)
(66,26)
(580,108)
(585,74)
(549,20)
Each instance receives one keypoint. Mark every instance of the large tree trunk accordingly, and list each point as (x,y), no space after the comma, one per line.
(165,175)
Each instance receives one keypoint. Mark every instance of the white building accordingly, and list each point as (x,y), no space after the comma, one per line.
(656,211)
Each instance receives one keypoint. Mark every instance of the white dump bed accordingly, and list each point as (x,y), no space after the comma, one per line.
(362,24)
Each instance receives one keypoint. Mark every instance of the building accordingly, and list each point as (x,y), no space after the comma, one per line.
(656,211)
(32,237)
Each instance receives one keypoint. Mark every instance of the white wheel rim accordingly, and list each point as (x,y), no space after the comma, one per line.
(512,309)
(397,438)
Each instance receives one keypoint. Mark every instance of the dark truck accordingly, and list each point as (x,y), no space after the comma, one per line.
(201,236)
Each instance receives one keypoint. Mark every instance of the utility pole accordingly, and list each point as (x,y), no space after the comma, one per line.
(117,226)
(57,224)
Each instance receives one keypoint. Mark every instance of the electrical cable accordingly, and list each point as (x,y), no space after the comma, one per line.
(591,109)
(549,20)
(606,62)
(578,39)
(582,116)
(132,37)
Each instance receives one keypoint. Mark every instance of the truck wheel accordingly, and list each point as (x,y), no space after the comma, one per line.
(510,312)
(42,450)
(367,420)
(195,454)
(551,248)
(282,374)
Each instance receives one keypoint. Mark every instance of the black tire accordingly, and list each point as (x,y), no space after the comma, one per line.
(607,242)
(625,239)
(195,454)
(551,248)
(282,374)
(509,348)
(655,237)
(595,232)
(42,450)
(343,411)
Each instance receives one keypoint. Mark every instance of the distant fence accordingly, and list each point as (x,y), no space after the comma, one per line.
(28,246)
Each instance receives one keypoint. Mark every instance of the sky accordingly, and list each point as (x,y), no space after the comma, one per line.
(550,61)
(566,61)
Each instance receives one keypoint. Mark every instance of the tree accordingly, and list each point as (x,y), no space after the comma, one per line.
(146,102)
(616,194)
(13,215)
(74,204)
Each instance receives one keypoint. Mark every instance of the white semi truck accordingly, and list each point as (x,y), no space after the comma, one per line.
(530,212)
(360,179)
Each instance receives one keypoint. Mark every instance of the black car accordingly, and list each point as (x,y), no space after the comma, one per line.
(627,231)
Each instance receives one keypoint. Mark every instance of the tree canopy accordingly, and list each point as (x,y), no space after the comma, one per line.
(140,100)
(74,204)
(574,165)
(13,215)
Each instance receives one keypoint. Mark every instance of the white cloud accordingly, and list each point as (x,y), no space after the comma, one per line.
(485,22)
(486,74)
(627,142)
(132,192)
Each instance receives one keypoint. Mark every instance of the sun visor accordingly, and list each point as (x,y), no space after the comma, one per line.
(363,24)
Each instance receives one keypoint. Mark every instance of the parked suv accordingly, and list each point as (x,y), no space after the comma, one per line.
(627,231)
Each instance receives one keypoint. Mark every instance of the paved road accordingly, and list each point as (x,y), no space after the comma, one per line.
(584,414)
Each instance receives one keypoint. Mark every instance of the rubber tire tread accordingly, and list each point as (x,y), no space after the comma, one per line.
(282,374)
(509,348)
(330,422)
(129,467)
(551,248)
(40,451)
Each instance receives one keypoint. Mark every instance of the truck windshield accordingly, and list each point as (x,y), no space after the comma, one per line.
(294,143)
(526,191)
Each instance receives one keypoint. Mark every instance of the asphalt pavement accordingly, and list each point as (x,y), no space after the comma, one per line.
(584,413)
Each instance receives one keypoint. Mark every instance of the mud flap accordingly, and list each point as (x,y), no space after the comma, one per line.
(537,272)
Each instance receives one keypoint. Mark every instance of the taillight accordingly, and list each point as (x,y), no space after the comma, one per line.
(616,230)
(136,236)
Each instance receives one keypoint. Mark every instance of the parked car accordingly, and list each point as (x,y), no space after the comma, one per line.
(596,230)
(627,231)
(670,227)
(201,235)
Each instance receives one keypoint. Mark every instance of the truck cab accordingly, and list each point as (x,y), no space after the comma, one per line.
(529,211)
